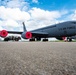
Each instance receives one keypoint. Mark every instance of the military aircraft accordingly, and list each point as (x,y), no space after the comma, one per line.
(59,31)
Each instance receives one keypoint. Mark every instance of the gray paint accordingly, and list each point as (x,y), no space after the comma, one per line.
(62,29)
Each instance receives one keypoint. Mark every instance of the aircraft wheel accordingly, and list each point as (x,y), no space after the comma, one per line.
(6,39)
(32,40)
(45,40)
(16,39)
(70,40)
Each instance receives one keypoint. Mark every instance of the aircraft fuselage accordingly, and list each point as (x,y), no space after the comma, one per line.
(59,30)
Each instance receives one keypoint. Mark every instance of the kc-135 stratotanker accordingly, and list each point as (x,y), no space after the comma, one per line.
(59,31)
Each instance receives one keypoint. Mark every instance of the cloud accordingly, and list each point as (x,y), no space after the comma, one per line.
(73,15)
(34,18)
(41,18)
(21,4)
(11,16)
(15,11)
(1,28)
(41,14)
(35,1)
(9,22)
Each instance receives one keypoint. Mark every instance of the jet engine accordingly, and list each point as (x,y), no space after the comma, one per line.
(26,35)
(3,33)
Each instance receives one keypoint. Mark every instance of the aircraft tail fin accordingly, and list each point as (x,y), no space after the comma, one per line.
(24,28)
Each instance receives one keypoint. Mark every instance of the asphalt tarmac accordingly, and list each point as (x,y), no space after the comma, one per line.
(37,58)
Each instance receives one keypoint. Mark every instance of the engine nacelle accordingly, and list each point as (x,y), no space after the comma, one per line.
(3,33)
(26,35)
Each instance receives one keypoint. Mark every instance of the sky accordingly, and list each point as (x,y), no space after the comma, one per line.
(35,13)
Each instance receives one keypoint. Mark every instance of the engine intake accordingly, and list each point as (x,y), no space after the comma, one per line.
(3,33)
(26,35)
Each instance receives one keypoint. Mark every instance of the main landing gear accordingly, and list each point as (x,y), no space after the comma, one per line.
(32,39)
(35,39)
(44,40)
(38,39)
(69,39)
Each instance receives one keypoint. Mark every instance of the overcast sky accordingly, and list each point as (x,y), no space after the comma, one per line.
(35,13)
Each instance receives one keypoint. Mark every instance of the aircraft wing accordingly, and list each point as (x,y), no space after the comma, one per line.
(4,33)
(41,34)
(29,34)
(33,33)
(14,32)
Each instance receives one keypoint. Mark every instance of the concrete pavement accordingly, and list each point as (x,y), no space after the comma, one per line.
(37,58)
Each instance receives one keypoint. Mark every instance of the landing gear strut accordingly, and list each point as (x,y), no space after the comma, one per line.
(38,39)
